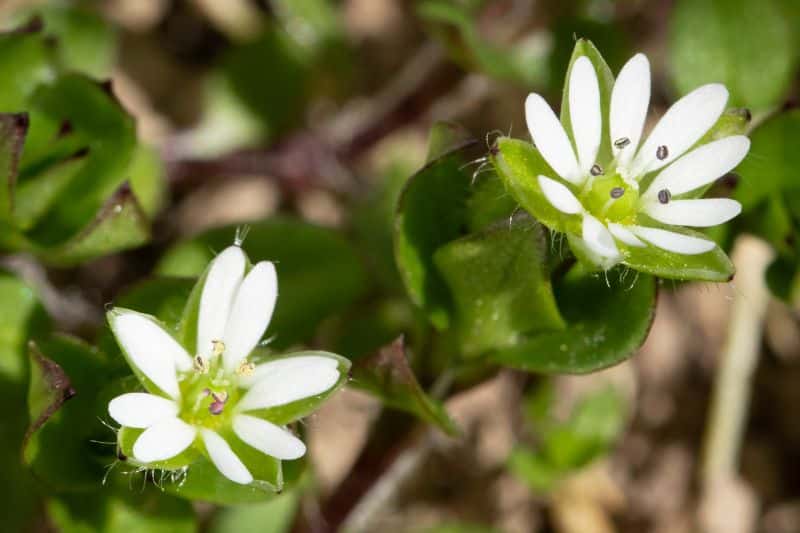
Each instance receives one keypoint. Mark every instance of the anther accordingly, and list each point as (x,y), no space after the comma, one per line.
(622,142)
(664,196)
(662,152)
(596,170)
(245,368)
(218,348)
(200,364)
(617,192)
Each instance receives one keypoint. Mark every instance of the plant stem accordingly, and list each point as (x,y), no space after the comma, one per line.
(738,360)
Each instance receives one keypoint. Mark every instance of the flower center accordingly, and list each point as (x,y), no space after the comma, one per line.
(208,392)
(610,197)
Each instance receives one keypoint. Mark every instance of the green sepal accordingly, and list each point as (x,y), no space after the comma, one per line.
(520,164)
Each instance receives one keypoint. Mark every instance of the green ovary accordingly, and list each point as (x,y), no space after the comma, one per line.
(199,390)
(601,197)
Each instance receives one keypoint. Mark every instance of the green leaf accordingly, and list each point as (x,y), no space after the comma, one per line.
(96,119)
(21,318)
(319,273)
(126,509)
(86,42)
(25,63)
(431,212)
(500,284)
(388,376)
(745,44)
(534,469)
(120,224)
(772,167)
(13,128)
(66,375)
(605,78)
(274,516)
(606,324)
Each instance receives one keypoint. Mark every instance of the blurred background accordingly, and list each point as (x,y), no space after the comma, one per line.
(321,109)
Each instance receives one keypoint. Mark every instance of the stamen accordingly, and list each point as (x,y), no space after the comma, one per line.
(201,364)
(662,152)
(622,142)
(218,348)
(596,170)
(664,196)
(617,192)
(245,368)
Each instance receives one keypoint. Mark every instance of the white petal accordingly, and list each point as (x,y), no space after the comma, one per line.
(288,385)
(223,457)
(551,139)
(151,349)
(623,234)
(223,279)
(584,112)
(268,438)
(141,410)
(697,213)
(674,242)
(287,365)
(598,238)
(701,166)
(560,196)
(164,440)
(629,101)
(251,313)
(681,126)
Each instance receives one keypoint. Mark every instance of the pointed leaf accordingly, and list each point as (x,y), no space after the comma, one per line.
(605,325)
(500,284)
(388,376)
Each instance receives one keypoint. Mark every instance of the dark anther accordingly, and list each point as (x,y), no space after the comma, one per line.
(664,196)
(622,142)
(617,192)
(596,170)
(662,152)
(730,180)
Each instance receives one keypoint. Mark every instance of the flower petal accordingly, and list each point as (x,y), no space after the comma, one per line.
(222,280)
(674,242)
(629,101)
(287,365)
(163,440)
(560,196)
(268,438)
(696,213)
(700,167)
(223,457)
(681,126)
(598,238)
(550,138)
(151,349)
(623,234)
(584,112)
(251,312)
(288,385)
(141,410)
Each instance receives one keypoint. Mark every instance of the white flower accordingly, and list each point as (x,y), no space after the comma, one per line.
(613,211)
(196,398)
